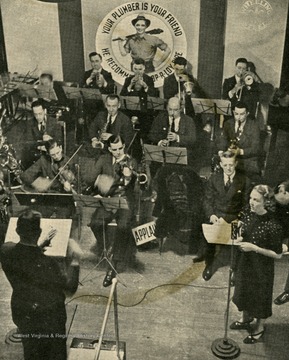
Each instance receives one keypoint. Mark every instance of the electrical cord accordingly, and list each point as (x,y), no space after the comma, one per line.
(147,292)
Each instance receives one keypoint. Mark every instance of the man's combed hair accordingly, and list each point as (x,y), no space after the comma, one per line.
(28,222)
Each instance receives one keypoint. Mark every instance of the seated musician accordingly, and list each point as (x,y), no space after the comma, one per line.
(173,128)
(47,167)
(242,135)
(115,177)
(110,122)
(183,85)
(39,176)
(53,89)
(97,77)
(39,130)
(233,84)
(139,84)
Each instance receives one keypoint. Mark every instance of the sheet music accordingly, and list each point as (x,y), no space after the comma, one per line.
(58,243)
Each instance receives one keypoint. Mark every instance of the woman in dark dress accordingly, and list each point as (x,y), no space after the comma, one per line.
(260,243)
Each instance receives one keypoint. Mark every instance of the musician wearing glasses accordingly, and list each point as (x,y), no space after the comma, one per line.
(144,46)
(110,122)
(173,128)
(241,134)
(115,174)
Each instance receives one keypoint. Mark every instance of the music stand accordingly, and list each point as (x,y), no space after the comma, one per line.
(155,103)
(109,203)
(72,92)
(45,199)
(46,92)
(132,103)
(90,94)
(164,155)
(212,106)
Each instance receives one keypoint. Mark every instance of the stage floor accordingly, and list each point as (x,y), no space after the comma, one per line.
(166,310)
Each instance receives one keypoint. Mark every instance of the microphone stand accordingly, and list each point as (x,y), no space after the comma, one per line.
(226,348)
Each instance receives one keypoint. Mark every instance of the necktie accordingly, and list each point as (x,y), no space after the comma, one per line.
(239,130)
(108,127)
(173,125)
(42,127)
(228,183)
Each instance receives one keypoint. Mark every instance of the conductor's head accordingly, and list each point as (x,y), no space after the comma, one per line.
(28,226)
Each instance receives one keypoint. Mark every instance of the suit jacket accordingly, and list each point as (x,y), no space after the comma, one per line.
(43,167)
(160,127)
(107,77)
(104,165)
(33,134)
(226,203)
(249,142)
(228,85)
(122,126)
(147,79)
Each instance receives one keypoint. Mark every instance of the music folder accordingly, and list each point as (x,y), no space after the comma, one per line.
(58,245)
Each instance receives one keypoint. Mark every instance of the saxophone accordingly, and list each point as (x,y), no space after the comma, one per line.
(98,143)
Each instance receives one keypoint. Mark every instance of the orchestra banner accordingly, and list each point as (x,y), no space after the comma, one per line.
(172,27)
(255,29)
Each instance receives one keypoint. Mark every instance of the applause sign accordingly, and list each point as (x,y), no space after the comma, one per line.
(144,233)
(162,27)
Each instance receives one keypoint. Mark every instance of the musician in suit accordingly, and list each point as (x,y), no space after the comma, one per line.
(174,84)
(144,46)
(97,77)
(115,177)
(226,192)
(46,81)
(242,135)
(39,175)
(233,84)
(172,128)
(110,122)
(39,130)
(139,84)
